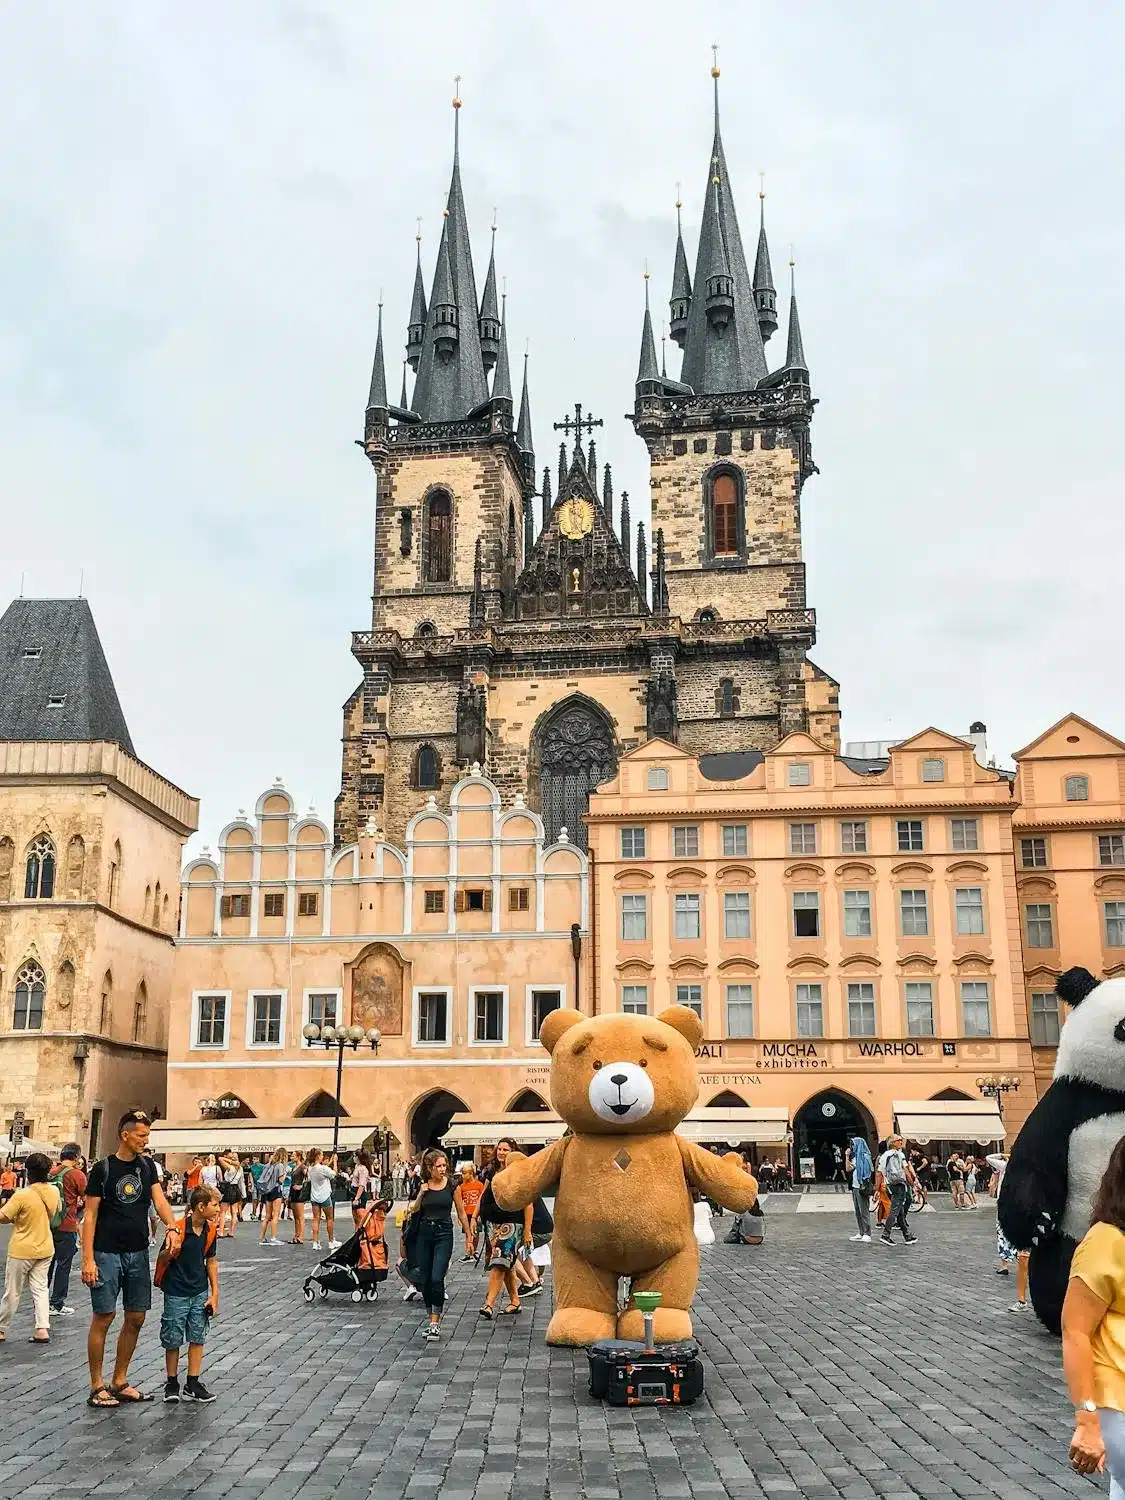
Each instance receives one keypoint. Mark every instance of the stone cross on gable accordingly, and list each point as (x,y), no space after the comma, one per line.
(578,423)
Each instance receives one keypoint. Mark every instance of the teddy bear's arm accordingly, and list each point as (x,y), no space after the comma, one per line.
(723,1179)
(526,1178)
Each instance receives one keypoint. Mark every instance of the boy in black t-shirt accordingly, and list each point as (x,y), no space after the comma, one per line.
(191,1296)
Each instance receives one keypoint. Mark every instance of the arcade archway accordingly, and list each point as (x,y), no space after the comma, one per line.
(822,1128)
(430,1117)
(527,1101)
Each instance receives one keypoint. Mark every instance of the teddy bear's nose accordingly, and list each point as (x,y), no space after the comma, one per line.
(619,1078)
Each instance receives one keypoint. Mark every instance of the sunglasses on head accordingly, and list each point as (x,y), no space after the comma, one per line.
(138,1117)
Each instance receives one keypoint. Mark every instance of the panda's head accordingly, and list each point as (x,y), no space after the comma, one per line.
(1092,1043)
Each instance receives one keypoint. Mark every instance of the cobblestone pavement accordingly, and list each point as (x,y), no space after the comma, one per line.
(832,1369)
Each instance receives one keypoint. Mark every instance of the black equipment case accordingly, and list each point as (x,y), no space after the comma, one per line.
(625,1373)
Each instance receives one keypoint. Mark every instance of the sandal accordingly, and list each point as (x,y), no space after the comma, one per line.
(510,1312)
(487,1312)
(95,1398)
(122,1394)
(34,1340)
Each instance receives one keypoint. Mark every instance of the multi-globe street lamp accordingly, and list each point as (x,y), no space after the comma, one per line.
(995,1086)
(340,1037)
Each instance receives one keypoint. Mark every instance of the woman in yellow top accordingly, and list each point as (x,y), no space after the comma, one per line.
(1093,1330)
(31,1247)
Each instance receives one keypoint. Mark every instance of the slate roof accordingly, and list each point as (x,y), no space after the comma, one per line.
(50,654)
(730,765)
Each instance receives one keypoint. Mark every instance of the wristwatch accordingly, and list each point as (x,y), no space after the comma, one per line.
(1086,1406)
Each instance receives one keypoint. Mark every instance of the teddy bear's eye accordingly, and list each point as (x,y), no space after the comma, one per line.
(644,1062)
(597,1065)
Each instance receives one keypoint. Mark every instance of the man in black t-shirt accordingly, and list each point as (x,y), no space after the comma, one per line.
(119,1192)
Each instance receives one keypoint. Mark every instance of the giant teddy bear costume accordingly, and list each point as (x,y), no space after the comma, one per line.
(622,1178)
(1060,1155)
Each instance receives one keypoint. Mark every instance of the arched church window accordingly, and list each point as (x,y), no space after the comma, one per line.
(727,702)
(31,992)
(725,527)
(439,537)
(426,630)
(39,879)
(427,770)
(575,752)
(140,1013)
(707,617)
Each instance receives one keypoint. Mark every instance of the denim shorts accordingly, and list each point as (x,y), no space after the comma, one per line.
(127,1275)
(182,1321)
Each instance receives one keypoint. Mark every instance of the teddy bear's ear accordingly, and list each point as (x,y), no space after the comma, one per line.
(558,1022)
(683,1020)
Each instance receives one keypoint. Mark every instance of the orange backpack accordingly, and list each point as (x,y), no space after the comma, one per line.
(173,1244)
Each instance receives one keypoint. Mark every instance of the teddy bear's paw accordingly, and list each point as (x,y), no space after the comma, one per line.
(670,1324)
(578,1326)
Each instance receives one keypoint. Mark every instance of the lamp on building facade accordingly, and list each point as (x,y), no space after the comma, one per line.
(995,1086)
(226,1104)
(340,1037)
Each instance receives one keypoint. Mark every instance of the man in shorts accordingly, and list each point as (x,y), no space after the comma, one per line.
(119,1194)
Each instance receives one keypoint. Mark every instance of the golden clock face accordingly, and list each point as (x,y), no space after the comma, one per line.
(576,518)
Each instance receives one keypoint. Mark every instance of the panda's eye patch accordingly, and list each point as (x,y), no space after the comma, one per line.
(1119,1031)
(597,1065)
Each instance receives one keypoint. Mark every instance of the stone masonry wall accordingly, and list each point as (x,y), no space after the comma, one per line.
(755,690)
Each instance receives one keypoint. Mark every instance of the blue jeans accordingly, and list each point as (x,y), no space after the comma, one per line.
(182,1321)
(431,1256)
(900,1203)
(126,1275)
(58,1277)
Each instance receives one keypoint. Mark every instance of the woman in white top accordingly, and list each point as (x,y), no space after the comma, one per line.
(322,1177)
(210,1174)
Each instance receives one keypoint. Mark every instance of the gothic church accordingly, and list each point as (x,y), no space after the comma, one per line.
(525,626)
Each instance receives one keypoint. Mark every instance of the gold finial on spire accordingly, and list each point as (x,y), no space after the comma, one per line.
(418,235)
(492,226)
(792,272)
(714,60)
(715,169)
(679,196)
(762,186)
(457,92)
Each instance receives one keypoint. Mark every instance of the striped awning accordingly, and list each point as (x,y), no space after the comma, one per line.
(949,1120)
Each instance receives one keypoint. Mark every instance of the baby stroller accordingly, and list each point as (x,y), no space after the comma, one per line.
(360,1264)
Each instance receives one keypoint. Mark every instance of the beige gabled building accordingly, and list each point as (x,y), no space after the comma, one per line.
(91,843)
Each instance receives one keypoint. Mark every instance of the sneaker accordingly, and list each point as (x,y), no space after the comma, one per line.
(432,1331)
(910,1239)
(411,1294)
(885,1239)
(171,1390)
(531,1291)
(1020,1307)
(467,1256)
(334,1244)
(62,1312)
(195,1390)
(1002,1271)
(856,1238)
(316,1244)
(865,1239)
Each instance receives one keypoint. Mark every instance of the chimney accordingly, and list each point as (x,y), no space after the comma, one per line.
(978,734)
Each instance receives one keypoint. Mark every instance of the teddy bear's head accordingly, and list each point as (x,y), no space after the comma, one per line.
(618,1074)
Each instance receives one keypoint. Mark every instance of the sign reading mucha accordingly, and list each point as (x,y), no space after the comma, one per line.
(377,983)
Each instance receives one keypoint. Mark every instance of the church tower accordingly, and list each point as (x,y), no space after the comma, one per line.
(729,452)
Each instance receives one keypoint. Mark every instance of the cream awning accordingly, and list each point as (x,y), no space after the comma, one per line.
(949,1120)
(526,1128)
(766,1125)
(256,1136)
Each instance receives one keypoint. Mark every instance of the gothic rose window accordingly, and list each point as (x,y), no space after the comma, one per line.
(439,538)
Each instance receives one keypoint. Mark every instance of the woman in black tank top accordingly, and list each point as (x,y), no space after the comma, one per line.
(432,1236)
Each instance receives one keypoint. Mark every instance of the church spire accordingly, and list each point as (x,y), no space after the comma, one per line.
(489,320)
(546,497)
(795,353)
(524,441)
(680,302)
(416,328)
(723,350)
(648,371)
(502,380)
(765,293)
(404,404)
(451,376)
(377,395)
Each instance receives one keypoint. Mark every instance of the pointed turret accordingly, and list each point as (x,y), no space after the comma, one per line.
(648,372)
(563,468)
(642,561)
(723,350)
(524,441)
(502,380)
(680,302)
(404,404)
(416,328)
(592,466)
(607,494)
(489,320)
(476,598)
(548,502)
(377,394)
(795,352)
(765,293)
(451,377)
(626,535)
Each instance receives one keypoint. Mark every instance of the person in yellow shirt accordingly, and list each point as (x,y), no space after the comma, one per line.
(1093,1332)
(31,1247)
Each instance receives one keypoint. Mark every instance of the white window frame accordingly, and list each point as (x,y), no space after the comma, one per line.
(928,772)
(734,829)
(416,1015)
(692,1005)
(857,910)
(529,993)
(803,826)
(641,896)
(1049,919)
(969,909)
(862,984)
(794,909)
(486,989)
(306,1007)
(643,987)
(738,984)
(914,909)
(740,937)
(808,985)
(1110,838)
(657,779)
(853,823)
(907,1001)
(1051,1010)
(633,829)
(1076,788)
(687,897)
(195,1044)
(909,824)
(800,773)
(1107,919)
(964,823)
(251,996)
(973,1035)
(685,833)
(1034,864)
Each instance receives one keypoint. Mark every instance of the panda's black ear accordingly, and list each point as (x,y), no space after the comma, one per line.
(1075,985)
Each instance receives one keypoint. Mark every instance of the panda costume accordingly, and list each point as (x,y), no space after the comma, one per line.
(1060,1155)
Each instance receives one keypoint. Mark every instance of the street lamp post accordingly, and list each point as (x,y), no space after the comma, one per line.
(341,1037)
(995,1086)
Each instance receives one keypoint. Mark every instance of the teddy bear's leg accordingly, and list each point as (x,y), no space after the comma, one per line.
(675,1280)
(585,1298)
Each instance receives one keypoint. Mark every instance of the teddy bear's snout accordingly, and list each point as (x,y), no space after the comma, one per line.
(622,1092)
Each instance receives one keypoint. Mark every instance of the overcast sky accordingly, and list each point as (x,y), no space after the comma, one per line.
(199,206)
